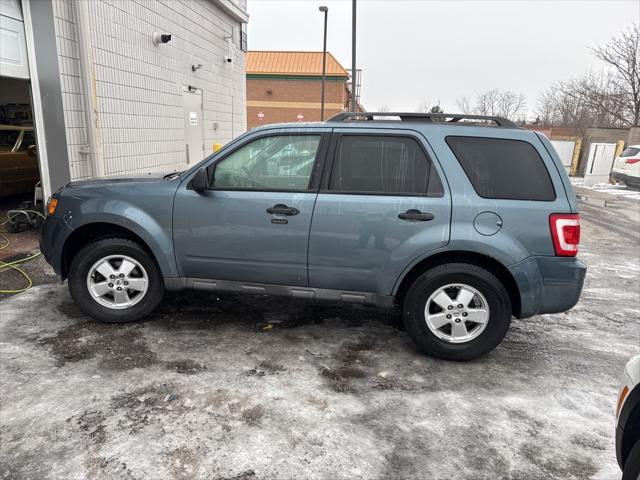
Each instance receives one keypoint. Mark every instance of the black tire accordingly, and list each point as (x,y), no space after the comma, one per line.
(632,464)
(89,255)
(457,273)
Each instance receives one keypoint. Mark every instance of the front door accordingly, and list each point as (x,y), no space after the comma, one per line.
(193,125)
(252,225)
(382,206)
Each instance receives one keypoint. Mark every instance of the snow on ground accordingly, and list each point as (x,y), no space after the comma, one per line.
(611,189)
(229,387)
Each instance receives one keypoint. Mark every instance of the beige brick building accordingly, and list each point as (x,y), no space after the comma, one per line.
(286,87)
(124,87)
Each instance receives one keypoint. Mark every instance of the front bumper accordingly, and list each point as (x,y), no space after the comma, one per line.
(53,235)
(548,284)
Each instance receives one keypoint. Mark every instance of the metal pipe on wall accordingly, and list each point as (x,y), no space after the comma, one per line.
(353,56)
(324,61)
(87,74)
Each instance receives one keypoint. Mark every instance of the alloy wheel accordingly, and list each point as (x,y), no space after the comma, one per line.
(117,282)
(456,313)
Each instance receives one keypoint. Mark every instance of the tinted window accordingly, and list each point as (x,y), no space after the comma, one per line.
(270,163)
(504,169)
(383,164)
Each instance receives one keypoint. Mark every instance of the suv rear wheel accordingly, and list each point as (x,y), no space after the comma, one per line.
(115,280)
(457,311)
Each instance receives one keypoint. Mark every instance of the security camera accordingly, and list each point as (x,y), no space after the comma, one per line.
(228,59)
(159,38)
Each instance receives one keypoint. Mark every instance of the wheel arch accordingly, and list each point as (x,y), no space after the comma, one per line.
(462,256)
(90,232)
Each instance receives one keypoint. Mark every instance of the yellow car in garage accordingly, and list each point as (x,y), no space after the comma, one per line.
(19,171)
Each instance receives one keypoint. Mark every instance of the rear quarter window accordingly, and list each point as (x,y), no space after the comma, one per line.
(502,168)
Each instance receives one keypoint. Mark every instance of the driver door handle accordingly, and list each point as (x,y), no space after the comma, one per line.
(282,209)
(413,214)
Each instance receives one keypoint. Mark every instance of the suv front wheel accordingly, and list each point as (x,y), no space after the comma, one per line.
(115,280)
(457,311)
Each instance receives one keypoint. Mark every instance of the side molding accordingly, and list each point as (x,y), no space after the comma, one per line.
(369,298)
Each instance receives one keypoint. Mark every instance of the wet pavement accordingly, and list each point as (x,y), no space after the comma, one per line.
(238,387)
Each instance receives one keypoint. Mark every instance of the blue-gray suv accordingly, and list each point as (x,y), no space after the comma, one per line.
(462,221)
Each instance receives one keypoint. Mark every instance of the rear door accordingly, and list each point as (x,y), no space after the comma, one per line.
(383,204)
(629,161)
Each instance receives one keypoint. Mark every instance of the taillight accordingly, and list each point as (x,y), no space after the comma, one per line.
(632,160)
(623,395)
(565,231)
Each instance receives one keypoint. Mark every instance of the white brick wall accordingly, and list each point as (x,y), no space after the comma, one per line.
(139,86)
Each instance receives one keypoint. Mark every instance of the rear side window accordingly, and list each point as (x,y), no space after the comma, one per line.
(630,152)
(503,169)
(383,164)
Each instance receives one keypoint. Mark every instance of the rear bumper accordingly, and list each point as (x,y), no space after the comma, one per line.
(623,177)
(53,235)
(548,284)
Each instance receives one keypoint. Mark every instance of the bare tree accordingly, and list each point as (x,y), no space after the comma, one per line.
(610,98)
(622,55)
(512,105)
(384,108)
(495,103)
(464,105)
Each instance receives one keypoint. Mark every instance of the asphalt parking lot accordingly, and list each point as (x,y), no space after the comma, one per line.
(229,387)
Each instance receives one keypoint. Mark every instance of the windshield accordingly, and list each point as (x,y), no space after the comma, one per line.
(630,152)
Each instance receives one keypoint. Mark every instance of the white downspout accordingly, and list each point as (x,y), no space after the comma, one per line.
(36,100)
(93,148)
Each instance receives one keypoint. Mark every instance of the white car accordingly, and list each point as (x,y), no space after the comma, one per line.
(628,422)
(626,167)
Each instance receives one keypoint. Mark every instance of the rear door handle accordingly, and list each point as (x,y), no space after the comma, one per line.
(417,215)
(282,209)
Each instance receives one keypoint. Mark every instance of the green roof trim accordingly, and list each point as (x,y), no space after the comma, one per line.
(315,78)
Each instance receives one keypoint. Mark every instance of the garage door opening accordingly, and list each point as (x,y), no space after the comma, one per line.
(19,169)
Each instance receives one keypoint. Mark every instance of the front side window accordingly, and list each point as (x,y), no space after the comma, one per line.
(385,165)
(503,169)
(283,162)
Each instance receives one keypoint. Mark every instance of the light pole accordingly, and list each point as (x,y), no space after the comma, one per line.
(325,10)
(353,56)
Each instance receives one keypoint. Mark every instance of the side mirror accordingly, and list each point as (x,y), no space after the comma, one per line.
(200,181)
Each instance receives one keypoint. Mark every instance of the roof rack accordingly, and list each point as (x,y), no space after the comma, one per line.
(427,117)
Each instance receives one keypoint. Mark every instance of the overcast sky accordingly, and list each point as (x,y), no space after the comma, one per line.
(436,51)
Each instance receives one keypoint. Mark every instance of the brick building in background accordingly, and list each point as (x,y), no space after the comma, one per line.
(286,87)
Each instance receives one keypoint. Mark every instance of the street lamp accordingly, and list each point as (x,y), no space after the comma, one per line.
(325,10)
(353,56)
